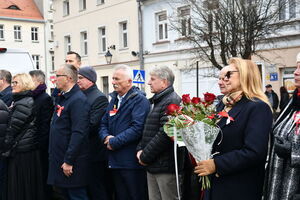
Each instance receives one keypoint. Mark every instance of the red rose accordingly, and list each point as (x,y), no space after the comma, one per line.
(172,109)
(186,99)
(209,97)
(211,116)
(196,100)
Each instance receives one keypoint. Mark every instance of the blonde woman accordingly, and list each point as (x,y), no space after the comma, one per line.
(24,178)
(237,169)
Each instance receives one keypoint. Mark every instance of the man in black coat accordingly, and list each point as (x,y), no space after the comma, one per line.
(43,105)
(155,150)
(5,87)
(98,187)
(272,96)
(68,142)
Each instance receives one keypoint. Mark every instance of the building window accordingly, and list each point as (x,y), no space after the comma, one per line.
(51,33)
(287,9)
(34,34)
(17,33)
(13,7)
(84,43)
(162,26)
(82,5)
(105,85)
(100,2)
(66,7)
(292,9)
(67,44)
(123,35)
(1,32)
(102,39)
(52,62)
(184,14)
(36,60)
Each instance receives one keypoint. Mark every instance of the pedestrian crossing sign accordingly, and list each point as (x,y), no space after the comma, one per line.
(139,76)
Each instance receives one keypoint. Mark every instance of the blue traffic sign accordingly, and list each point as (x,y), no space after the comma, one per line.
(139,76)
(274,76)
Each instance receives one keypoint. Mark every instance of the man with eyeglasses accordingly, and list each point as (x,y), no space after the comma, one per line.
(72,58)
(68,142)
(5,87)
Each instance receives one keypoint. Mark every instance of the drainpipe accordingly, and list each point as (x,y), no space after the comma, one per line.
(141,42)
(46,50)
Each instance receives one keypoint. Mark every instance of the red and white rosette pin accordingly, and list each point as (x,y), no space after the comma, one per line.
(297,121)
(59,109)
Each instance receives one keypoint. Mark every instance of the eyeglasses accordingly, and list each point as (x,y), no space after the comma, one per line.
(227,75)
(59,75)
(14,82)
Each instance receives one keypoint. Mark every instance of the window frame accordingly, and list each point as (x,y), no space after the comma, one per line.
(102,39)
(17,33)
(82,5)
(84,43)
(185,21)
(123,34)
(100,2)
(161,26)
(34,34)
(36,60)
(66,8)
(67,43)
(2,32)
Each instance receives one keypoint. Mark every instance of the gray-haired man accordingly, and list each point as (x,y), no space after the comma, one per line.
(155,151)
(68,142)
(5,87)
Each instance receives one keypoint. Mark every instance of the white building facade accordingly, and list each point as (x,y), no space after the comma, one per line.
(19,29)
(91,28)
(164,46)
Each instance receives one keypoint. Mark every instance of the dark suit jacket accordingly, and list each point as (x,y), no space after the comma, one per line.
(242,145)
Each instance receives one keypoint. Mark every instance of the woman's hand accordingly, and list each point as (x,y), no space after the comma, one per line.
(205,167)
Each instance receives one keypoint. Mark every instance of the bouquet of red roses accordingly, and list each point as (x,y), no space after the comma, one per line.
(195,121)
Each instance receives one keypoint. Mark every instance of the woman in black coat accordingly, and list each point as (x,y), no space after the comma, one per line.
(282,182)
(284,97)
(238,167)
(24,177)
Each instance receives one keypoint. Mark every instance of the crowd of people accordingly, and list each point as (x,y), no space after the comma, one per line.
(76,144)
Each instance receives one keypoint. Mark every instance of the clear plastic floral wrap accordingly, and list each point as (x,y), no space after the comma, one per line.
(199,139)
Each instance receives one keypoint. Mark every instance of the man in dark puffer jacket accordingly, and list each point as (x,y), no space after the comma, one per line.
(155,151)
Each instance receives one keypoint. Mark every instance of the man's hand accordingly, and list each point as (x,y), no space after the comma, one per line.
(205,167)
(138,154)
(106,141)
(67,169)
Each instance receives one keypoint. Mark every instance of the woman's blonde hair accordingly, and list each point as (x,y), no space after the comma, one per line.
(25,81)
(250,79)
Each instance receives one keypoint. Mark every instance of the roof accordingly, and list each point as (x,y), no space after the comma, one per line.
(27,9)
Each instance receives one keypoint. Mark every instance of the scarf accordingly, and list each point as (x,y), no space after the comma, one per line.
(39,90)
(231,99)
